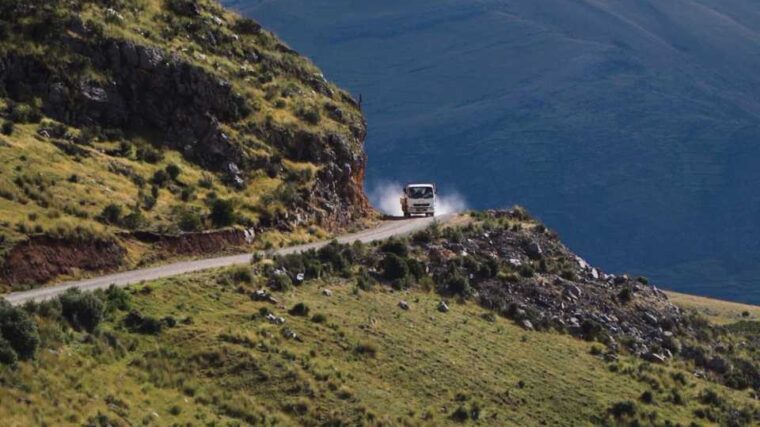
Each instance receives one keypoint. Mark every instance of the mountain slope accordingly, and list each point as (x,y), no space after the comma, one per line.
(630,126)
(358,335)
(126,123)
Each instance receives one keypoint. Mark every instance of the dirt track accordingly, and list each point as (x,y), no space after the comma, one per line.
(383,231)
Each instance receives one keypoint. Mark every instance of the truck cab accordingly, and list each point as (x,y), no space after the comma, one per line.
(418,199)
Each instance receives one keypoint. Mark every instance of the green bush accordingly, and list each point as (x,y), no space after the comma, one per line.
(280,282)
(395,246)
(395,267)
(160,178)
(623,409)
(222,213)
(7,128)
(188,219)
(149,154)
(134,220)
(117,299)
(7,354)
(625,295)
(458,284)
(136,322)
(111,214)
(242,275)
(20,332)
(173,171)
(299,309)
(83,310)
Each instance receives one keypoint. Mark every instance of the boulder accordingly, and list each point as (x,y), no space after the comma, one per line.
(443,307)
(403,305)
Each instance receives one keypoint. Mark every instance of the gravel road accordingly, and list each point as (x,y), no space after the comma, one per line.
(385,230)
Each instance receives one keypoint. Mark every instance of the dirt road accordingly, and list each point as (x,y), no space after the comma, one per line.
(385,230)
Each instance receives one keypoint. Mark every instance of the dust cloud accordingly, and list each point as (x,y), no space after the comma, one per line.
(385,196)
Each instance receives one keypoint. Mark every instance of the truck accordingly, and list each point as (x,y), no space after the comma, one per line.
(418,199)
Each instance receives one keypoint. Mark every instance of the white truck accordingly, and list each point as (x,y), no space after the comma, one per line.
(418,199)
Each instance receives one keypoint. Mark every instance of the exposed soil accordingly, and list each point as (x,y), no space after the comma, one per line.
(42,258)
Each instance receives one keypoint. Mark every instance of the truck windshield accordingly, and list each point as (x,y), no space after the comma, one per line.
(420,192)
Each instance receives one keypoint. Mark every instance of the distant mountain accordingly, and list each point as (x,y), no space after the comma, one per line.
(633,127)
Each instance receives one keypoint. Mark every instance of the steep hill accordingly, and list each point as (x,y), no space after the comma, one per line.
(632,126)
(127,122)
(490,323)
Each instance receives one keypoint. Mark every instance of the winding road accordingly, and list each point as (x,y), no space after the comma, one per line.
(383,231)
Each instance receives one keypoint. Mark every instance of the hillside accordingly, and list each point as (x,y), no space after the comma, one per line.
(629,126)
(358,335)
(139,130)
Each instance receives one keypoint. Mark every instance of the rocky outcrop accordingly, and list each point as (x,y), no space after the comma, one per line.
(148,90)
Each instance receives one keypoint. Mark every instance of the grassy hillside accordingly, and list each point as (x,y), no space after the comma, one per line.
(346,347)
(165,116)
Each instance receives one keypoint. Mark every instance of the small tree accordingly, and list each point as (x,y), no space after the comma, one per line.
(19,330)
(82,310)
(395,267)
(223,213)
(173,171)
(111,214)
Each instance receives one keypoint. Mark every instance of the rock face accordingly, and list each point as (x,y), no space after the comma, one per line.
(190,78)
(178,102)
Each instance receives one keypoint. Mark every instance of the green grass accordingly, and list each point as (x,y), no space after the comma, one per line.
(47,191)
(229,366)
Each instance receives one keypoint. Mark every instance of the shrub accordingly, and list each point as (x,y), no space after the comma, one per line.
(186,194)
(622,409)
(149,154)
(647,397)
(206,181)
(459,285)
(364,281)
(7,128)
(7,354)
(134,220)
(625,295)
(334,254)
(299,309)
(242,275)
(136,322)
(710,397)
(395,267)
(117,299)
(246,26)
(222,213)
(309,113)
(83,310)
(526,271)
(19,331)
(111,214)
(160,178)
(366,349)
(280,282)
(188,219)
(395,246)
(319,318)
(173,171)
